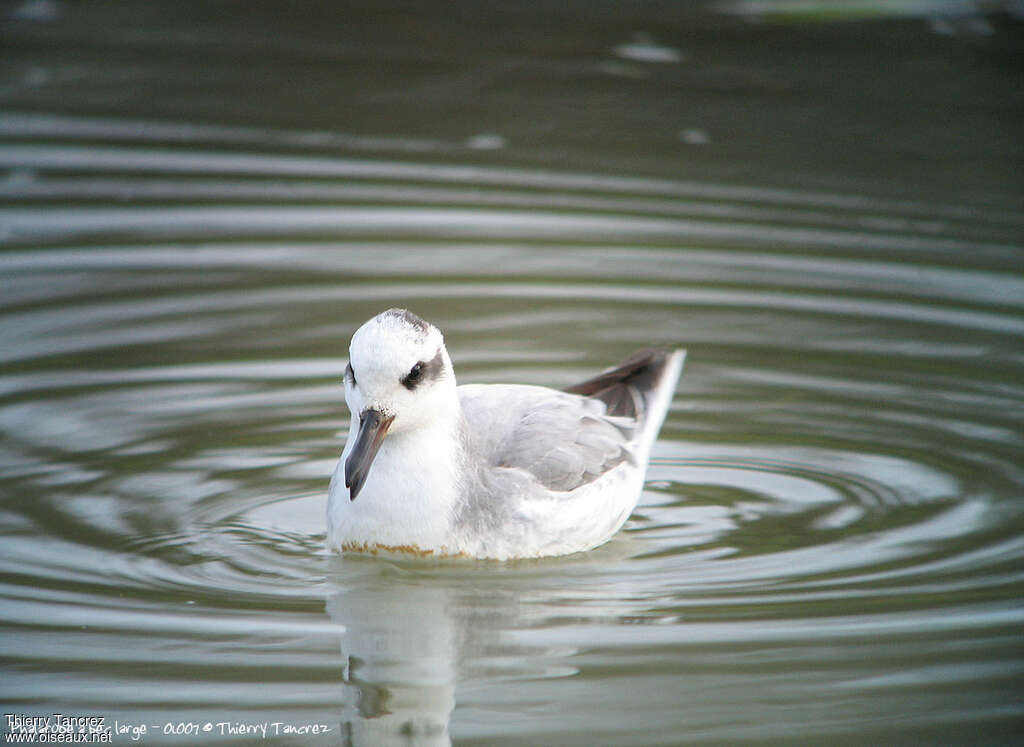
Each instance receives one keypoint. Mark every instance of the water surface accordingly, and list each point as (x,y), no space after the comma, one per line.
(199,210)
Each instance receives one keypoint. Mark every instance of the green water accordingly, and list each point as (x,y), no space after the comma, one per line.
(201,202)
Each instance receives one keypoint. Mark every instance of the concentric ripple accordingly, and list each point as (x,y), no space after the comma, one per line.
(831,531)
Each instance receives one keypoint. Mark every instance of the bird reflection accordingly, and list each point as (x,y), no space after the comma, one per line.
(400,651)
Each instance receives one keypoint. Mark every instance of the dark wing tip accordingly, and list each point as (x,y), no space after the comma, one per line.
(623,387)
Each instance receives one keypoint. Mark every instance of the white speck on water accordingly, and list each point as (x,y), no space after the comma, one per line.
(486,142)
(694,136)
(643,48)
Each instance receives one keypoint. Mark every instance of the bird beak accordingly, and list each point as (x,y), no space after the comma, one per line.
(373,427)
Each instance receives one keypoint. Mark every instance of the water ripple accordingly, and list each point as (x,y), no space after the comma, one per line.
(840,467)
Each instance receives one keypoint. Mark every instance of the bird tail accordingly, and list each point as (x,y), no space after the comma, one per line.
(641,387)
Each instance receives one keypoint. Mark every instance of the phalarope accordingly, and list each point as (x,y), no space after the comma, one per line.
(487,471)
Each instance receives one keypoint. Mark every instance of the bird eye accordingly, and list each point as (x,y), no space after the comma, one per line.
(350,373)
(411,379)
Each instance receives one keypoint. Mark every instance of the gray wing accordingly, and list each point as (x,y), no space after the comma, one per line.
(563,440)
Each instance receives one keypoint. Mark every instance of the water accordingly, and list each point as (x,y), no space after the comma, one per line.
(199,209)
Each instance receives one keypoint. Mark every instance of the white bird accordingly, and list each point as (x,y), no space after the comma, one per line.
(489,470)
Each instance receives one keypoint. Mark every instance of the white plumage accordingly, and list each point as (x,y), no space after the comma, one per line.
(487,471)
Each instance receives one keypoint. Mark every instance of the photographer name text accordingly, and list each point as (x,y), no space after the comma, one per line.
(59,728)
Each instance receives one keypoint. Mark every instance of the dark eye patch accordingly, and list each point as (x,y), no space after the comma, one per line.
(415,376)
(350,373)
